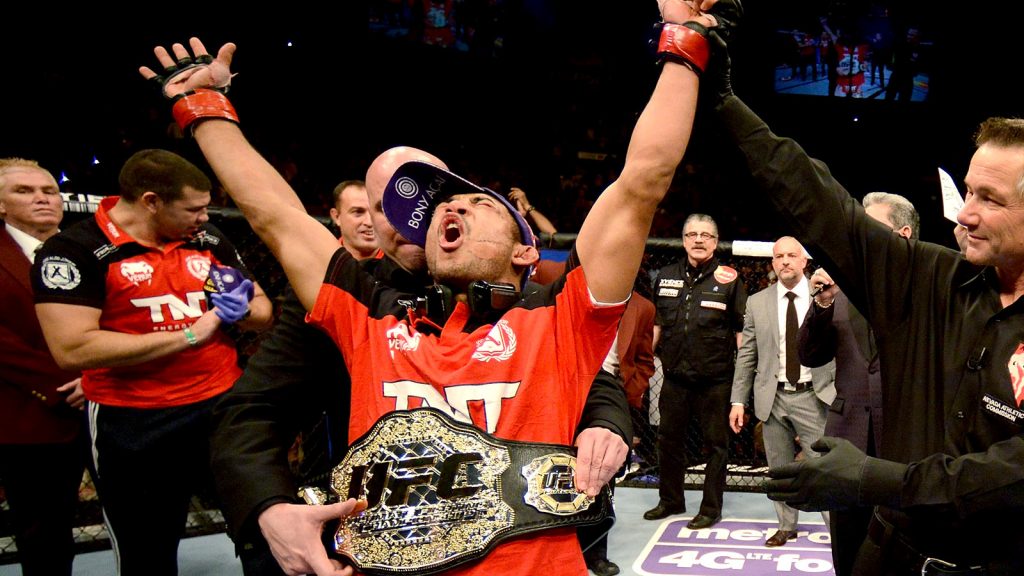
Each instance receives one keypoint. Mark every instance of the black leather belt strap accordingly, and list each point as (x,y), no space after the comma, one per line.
(798,387)
(899,554)
(441,493)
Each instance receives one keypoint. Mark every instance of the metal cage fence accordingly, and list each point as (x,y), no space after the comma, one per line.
(746,456)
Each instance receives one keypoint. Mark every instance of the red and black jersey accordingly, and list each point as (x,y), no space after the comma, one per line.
(141,290)
(523,377)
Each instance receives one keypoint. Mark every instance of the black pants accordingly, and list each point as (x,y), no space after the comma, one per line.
(848,529)
(709,404)
(41,482)
(150,462)
(259,561)
(596,537)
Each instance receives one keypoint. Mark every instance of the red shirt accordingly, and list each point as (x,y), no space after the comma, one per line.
(525,378)
(140,290)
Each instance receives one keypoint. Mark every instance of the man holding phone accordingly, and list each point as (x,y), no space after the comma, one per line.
(833,328)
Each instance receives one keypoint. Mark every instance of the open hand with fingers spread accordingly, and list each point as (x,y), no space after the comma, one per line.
(183,73)
(195,83)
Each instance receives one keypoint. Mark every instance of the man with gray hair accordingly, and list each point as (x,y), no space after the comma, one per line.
(42,450)
(700,305)
(835,329)
(894,211)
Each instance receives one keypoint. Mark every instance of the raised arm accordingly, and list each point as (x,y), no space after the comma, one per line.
(301,244)
(612,238)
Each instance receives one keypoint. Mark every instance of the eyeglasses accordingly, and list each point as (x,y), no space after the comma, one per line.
(701,235)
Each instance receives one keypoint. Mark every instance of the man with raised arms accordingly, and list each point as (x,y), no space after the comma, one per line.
(529,387)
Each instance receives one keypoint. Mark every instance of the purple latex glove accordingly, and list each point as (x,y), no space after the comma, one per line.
(233,306)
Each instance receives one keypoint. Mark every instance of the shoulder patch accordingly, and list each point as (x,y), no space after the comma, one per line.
(1016,368)
(59,272)
(105,250)
(726,274)
(204,237)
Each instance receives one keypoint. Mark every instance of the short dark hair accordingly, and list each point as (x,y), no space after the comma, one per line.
(1003,132)
(336,195)
(161,172)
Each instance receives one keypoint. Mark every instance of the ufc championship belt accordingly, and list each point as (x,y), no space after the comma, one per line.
(441,493)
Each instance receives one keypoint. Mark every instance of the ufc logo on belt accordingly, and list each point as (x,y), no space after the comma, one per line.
(447,477)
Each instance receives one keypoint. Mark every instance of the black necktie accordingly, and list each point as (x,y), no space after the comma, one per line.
(792,355)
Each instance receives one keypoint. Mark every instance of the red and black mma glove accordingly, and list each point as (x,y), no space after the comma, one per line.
(685,43)
(198,104)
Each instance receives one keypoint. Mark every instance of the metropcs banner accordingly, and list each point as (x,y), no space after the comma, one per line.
(734,547)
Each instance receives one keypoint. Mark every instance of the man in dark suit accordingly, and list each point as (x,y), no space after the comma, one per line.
(41,426)
(835,329)
(792,400)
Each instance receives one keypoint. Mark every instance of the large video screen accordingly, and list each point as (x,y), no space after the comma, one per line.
(459,25)
(848,49)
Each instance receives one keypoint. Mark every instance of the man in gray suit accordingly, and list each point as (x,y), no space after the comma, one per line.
(792,400)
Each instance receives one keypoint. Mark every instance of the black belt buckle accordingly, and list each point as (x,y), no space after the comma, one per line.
(794,388)
(441,493)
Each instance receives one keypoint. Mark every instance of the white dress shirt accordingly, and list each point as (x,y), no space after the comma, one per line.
(802,302)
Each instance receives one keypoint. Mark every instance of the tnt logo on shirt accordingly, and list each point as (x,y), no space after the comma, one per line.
(176,309)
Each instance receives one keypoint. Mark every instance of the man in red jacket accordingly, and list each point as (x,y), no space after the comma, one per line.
(40,421)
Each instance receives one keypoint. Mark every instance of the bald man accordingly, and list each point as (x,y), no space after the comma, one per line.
(792,400)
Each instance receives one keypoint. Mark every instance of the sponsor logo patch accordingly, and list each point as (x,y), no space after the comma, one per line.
(59,272)
(399,338)
(104,250)
(671,283)
(198,266)
(407,187)
(733,547)
(1016,368)
(499,344)
(725,274)
(137,272)
(1002,409)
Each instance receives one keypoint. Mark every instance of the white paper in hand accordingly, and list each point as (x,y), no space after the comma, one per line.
(952,201)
